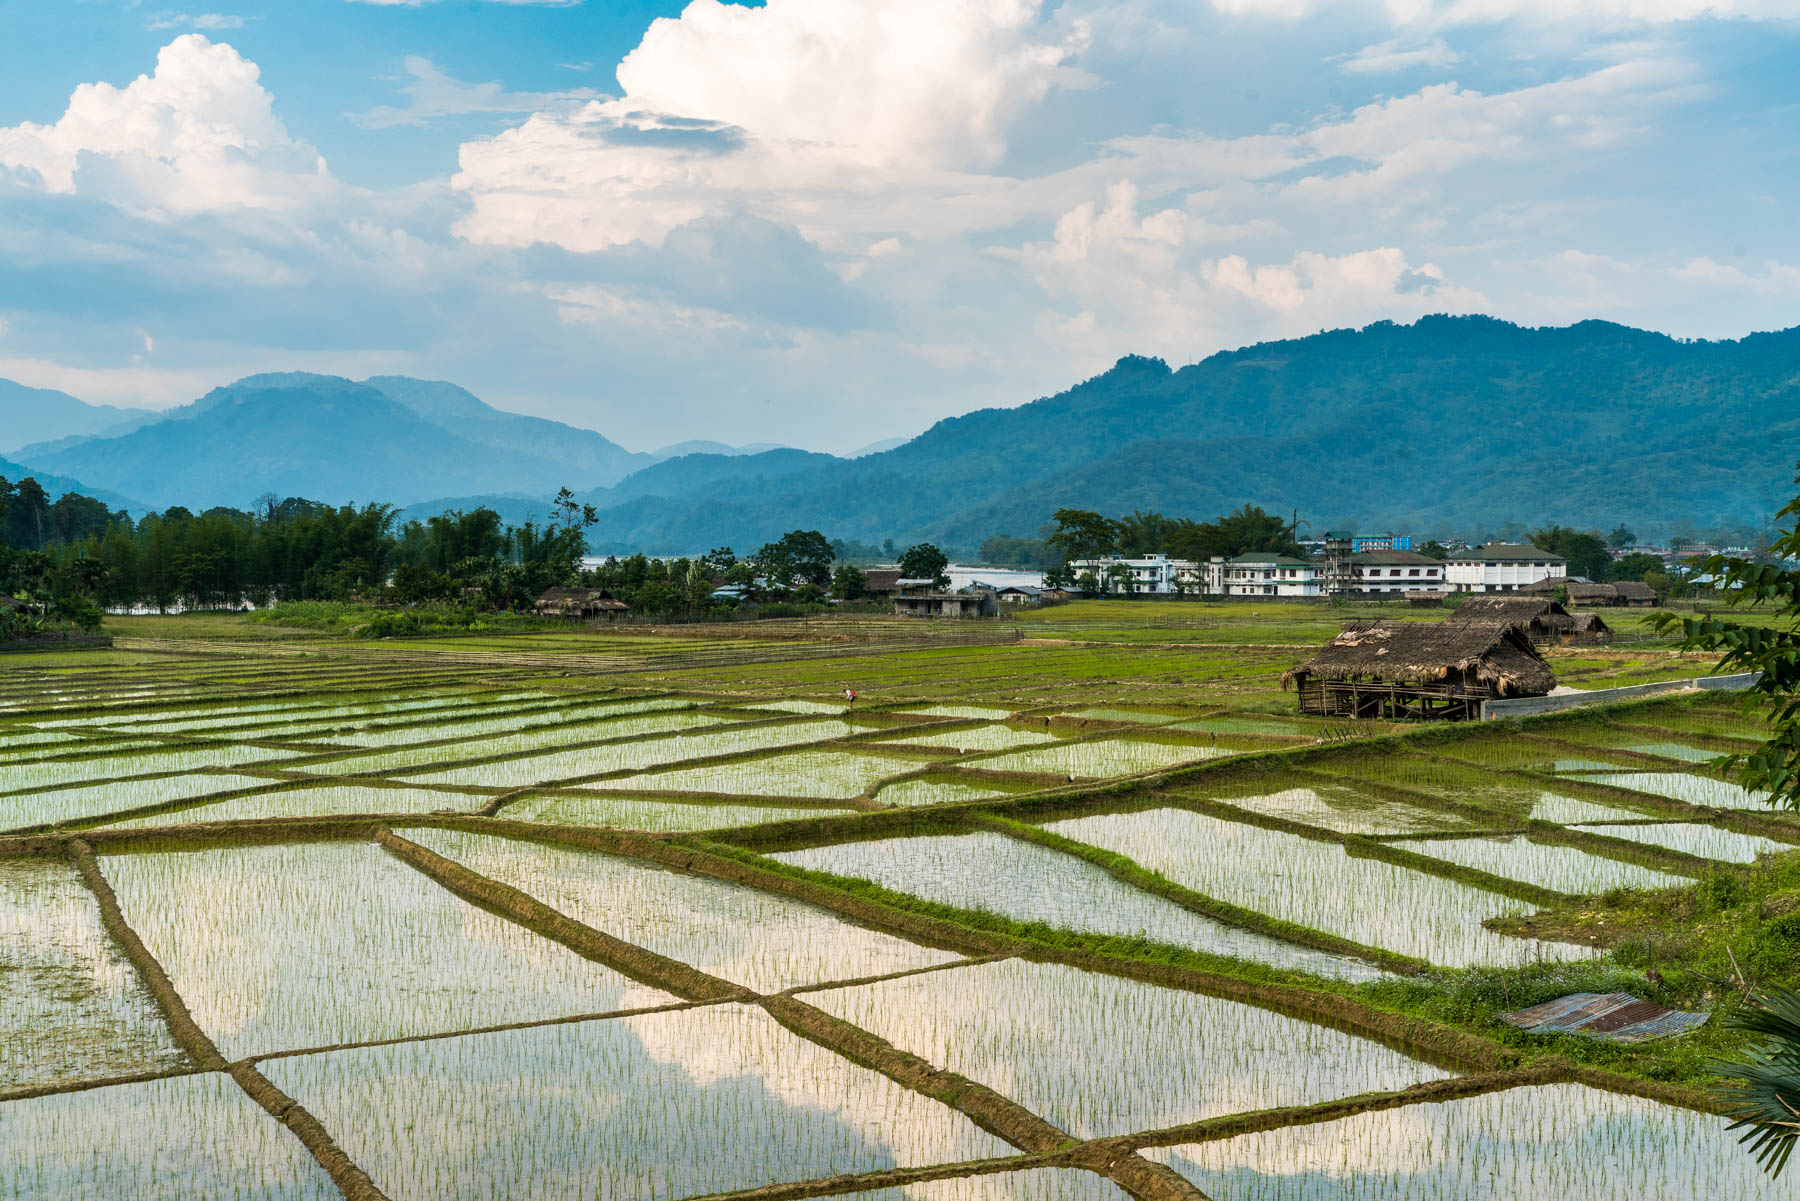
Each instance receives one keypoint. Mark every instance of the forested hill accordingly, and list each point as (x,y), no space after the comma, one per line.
(1452,422)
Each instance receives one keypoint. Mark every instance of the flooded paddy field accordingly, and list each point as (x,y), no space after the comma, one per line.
(645,918)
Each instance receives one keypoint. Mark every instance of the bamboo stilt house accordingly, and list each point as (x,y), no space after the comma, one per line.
(1419,670)
(1541,620)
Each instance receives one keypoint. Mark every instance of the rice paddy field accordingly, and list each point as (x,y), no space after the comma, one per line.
(1069,907)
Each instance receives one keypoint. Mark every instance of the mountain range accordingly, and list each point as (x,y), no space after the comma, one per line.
(1450,424)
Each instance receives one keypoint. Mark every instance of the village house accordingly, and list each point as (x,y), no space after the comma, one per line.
(1419,670)
(1263,573)
(1390,571)
(1020,596)
(921,598)
(1153,575)
(1540,619)
(580,604)
(1581,591)
(1502,567)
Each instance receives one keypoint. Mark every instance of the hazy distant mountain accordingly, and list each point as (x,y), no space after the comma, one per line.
(35,415)
(589,459)
(875,448)
(328,439)
(56,485)
(1451,423)
(700,446)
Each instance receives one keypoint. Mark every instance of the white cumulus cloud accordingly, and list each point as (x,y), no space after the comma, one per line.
(198,134)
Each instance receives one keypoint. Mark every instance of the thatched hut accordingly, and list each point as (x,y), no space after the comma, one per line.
(1543,621)
(1589,627)
(1635,594)
(1419,670)
(581,604)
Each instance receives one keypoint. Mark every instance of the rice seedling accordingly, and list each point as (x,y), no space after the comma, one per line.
(985,712)
(1029,883)
(1031,1184)
(319,800)
(1672,750)
(1681,786)
(766,943)
(1553,1140)
(514,743)
(646,1108)
(36,777)
(1049,1037)
(659,817)
(796,706)
(939,790)
(1507,754)
(1339,808)
(1099,758)
(1241,725)
(825,774)
(97,800)
(413,729)
(587,762)
(1145,716)
(1697,838)
(173,1139)
(71,1005)
(23,740)
(1316,884)
(381,952)
(1566,811)
(1566,869)
(981,738)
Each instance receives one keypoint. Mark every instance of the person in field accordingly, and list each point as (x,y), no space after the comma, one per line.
(849,696)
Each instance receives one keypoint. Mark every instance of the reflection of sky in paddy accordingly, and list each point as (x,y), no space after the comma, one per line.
(1551,1141)
(639,1109)
(1099,758)
(1098,1055)
(71,1005)
(506,744)
(324,801)
(1566,869)
(179,1139)
(34,776)
(827,775)
(1316,884)
(1036,884)
(1698,838)
(625,813)
(1682,786)
(97,800)
(1346,810)
(1036,1184)
(309,944)
(763,942)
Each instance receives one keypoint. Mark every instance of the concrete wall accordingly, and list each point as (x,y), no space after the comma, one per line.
(1531,706)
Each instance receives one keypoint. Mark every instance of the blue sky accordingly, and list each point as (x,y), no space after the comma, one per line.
(827,222)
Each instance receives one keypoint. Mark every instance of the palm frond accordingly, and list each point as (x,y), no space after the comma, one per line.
(1764,1096)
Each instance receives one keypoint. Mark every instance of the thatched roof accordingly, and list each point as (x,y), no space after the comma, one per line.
(1592,594)
(1498,656)
(1635,590)
(1533,614)
(1591,625)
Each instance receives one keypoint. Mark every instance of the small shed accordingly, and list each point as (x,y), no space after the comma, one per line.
(881,581)
(1020,595)
(1635,594)
(1591,627)
(1541,620)
(1419,670)
(1582,593)
(977,603)
(1422,599)
(582,604)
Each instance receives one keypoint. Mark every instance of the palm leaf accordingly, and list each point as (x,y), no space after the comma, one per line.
(1764,1096)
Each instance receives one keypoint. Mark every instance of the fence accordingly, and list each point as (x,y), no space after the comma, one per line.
(1531,706)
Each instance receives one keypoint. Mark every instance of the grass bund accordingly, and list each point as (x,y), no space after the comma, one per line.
(1086,914)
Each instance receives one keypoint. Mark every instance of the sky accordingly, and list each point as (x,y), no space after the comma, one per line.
(832,222)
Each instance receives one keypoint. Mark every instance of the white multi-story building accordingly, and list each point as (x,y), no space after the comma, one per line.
(1396,571)
(1264,574)
(1502,567)
(1153,575)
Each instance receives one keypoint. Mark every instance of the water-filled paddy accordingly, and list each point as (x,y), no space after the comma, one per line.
(1682,786)
(98,800)
(634,756)
(1316,884)
(932,790)
(1698,838)
(647,1108)
(1566,869)
(71,1005)
(1344,810)
(1049,1037)
(830,775)
(1031,883)
(318,800)
(981,738)
(528,740)
(662,817)
(1032,1184)
(766,943)
(22,777)
(1099,757)
(1549,1141)
(175,1139)
(382,952)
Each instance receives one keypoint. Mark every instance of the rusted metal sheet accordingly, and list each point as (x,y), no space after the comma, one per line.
(1615,1016)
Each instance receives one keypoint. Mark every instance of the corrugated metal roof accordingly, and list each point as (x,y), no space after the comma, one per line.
(1615,1016)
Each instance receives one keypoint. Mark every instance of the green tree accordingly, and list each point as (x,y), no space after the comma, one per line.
(1636,566)
(849,583)
(1585,550)
(1621,537)
(1083,534)
(800,557)
(1434,550)
(926,562)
